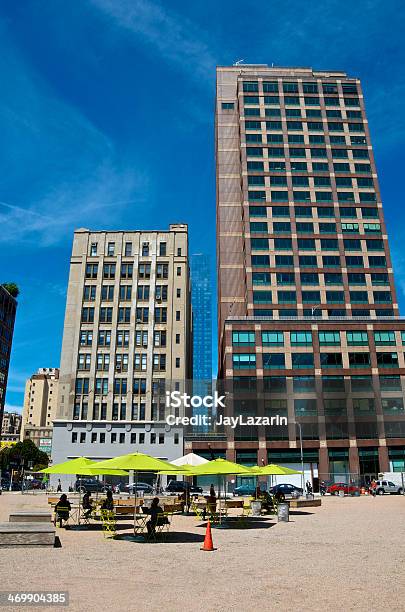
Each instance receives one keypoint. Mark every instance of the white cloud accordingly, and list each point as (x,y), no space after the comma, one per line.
(173,36)
(13,408)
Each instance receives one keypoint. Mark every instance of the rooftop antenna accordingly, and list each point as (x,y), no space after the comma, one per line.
(239,62)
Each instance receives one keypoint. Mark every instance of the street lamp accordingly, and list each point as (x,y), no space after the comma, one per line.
(302,457)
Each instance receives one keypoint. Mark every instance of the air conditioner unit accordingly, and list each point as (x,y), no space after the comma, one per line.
(118,368)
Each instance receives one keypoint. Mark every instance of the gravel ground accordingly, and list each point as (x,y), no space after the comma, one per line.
(348,554)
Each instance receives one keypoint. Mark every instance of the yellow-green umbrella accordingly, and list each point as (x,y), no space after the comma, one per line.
(82,466)
(220,467)
(138,462)
(272,470)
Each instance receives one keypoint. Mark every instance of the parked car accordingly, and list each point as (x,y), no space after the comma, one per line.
(244,489)
(179,486)
(91,484)
(348,489)
(139,486)
(387,486)
(286,491)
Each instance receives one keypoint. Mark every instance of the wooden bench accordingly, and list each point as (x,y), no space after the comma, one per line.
(30,517)
(27,534)
(305,503)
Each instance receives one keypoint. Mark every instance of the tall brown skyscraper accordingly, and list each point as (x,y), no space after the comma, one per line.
(308,321)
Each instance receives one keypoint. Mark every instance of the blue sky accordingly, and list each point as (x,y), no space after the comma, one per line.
(106,121)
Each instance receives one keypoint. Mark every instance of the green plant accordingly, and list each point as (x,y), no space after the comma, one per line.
(12,288)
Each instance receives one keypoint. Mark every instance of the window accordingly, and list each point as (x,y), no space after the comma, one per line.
(128,249)
(301,338)
(329,338)
(272,338)
(393,405)
(243,338)
(125,292)
(101,386)
(309,278)
(305,407)
(110,248)
(307,261)
(107,293)
(124,315)
(103,362)
(302,360)
(284,261)
(242,361)
(285,278)
(126,271)
(86,338)
(106,315)
(87,315)
(93,249)
(287,297)
(91,270)
(281,227)
(331,360)
(104,337)
(250,86)
(89,292)
(384,338)
(387,360)
(144,270)
(227,105)
(142,315)
(109,271)
(311,297)
(261,278)
(273,360)
(359,360)
(257,211)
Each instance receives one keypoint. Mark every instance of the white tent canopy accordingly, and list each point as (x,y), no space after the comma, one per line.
(190,459)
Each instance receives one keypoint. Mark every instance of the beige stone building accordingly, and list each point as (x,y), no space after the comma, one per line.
(126,334)
(40,405)
(10,427)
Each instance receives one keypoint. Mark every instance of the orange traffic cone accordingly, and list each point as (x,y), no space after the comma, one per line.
(208,545)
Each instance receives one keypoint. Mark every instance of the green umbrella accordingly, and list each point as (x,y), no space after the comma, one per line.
(138,462)
(272,470)
(220,467)
(82,466)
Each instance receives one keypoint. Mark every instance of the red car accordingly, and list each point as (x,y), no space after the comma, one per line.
(348,489)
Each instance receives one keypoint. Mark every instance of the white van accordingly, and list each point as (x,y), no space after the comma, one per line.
(397,478)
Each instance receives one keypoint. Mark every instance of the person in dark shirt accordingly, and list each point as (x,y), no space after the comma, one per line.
(154,512)
(108,503)
(87,504)
(62,509)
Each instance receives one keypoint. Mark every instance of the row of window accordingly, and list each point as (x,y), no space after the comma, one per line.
(316,152)
(318,311)
(327,261)
(127,270)
(258,180)
(312,278)
(325,338)
(125,292)
(118,412)
(254,131)
(300,166)
(145,249)
(306,360)
(140,362)
(305,196)
(322,212)
(306,227)
(124,314)
(361,406)
(331,297)
(121,438)
(304,384)
(122,337)
(294,87)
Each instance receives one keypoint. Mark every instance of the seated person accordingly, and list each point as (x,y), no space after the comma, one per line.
(154,512)
(87,504)
(62,509)
(211,502)
(108,503)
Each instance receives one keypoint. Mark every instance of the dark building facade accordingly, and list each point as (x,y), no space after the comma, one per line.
(8,308)
(308,320)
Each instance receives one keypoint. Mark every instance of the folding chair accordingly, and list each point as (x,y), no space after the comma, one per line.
(109,523)
(197,511)
(62,513)
(161,528)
